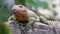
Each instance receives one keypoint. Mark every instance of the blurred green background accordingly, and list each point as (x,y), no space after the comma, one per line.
(6,5)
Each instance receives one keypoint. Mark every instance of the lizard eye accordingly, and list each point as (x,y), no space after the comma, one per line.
(20,6)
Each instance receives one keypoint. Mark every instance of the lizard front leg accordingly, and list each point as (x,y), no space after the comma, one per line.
(11,17)
(28,25)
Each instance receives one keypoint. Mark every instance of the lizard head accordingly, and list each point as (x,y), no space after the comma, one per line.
(18,8)
(19,12)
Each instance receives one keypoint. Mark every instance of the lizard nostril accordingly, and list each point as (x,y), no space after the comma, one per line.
(13,10)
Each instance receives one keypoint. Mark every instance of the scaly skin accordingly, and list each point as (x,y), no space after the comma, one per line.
(53,23)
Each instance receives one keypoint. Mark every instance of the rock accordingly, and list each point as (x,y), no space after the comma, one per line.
(37,28)
(40,28)
(14,26)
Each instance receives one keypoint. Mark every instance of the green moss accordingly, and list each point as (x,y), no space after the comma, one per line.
(4,29)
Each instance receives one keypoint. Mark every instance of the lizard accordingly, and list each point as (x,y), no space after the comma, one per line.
(21,13)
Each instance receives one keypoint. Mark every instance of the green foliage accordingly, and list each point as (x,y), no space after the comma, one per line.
(20,2)
(3,12)
(36,3)
(4,29)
